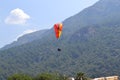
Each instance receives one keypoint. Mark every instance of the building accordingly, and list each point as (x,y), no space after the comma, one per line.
(112,78)
(100,78)
(107,78)
(71,78)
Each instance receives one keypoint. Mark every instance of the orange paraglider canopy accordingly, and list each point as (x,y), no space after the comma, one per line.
(58,29)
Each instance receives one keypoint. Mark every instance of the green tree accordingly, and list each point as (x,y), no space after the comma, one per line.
(19,77)
(50,76)
(81,76)
(44,76)
(62,77)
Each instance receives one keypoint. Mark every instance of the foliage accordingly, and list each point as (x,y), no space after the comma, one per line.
(19,77)
(42,76)
(90,44)
(80,76)
(94,53)
(45,76)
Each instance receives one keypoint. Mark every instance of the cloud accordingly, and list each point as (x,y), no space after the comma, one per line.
(17,16)
(26,32)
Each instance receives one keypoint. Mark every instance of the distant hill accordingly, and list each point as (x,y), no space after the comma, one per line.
(90,43)
(26,39)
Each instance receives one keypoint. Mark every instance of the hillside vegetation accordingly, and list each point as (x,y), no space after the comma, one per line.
(90,43)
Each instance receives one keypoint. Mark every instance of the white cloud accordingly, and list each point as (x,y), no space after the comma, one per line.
(26,32)
(17,16)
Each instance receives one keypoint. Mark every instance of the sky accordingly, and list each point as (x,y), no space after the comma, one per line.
(19,17)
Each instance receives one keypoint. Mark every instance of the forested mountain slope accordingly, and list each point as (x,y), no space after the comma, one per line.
(90,43)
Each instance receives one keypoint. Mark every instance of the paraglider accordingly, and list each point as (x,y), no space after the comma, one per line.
(58,31)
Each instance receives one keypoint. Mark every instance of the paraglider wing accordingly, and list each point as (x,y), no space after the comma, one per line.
(58,30)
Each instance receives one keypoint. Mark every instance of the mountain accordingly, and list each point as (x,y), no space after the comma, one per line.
(89,43)
(103,12)
(26,39)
